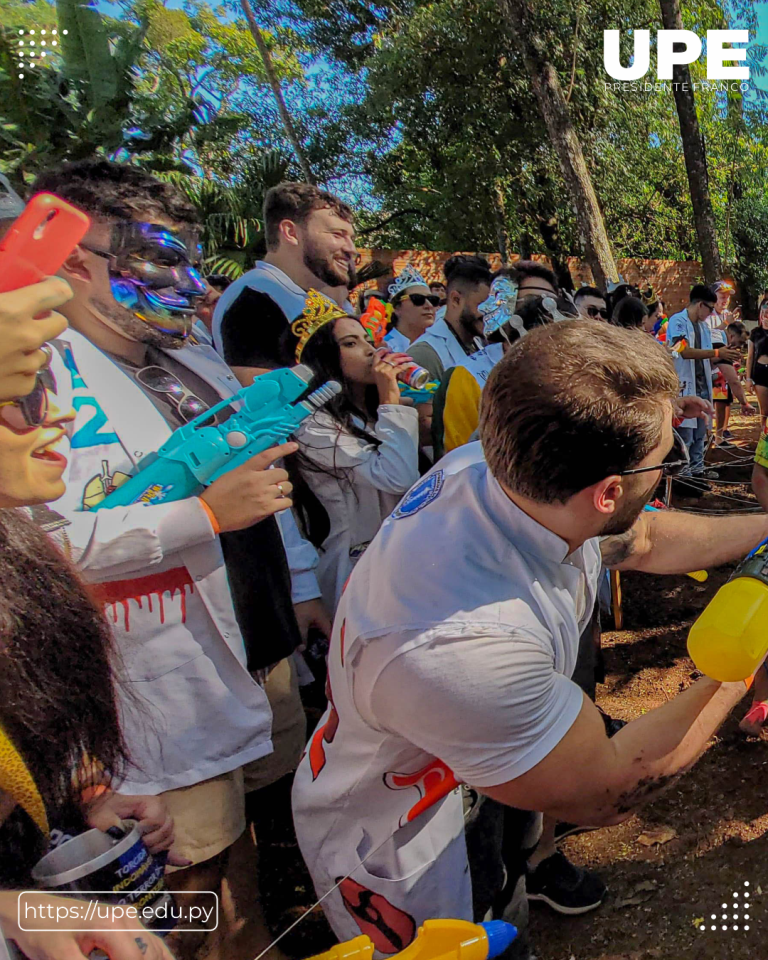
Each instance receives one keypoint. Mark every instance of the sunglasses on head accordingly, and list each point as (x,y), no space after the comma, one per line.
(419,299)
(673,464)
(595,312)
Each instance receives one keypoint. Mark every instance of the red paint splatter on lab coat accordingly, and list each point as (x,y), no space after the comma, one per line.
(119,593)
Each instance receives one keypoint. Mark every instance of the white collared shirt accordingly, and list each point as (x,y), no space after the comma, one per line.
(396,341)
(451,658)
(681,325)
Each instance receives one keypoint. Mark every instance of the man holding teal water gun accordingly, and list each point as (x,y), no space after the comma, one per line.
(456,638)
(200,591)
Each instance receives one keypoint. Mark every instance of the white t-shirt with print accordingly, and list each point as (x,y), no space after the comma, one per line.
(450,662)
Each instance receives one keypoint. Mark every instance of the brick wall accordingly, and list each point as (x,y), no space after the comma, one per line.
(672,279)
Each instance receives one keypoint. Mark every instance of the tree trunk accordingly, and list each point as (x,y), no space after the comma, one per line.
(285,116)
(549,228)
(554,110)
(500,214)
(694,153)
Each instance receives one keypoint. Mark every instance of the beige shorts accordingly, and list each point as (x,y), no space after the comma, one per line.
(289,729)
(208,816)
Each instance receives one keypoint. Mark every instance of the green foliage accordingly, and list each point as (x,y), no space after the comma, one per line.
(233,237)
(160,86)
(427,120)
(750,229)
(452,131)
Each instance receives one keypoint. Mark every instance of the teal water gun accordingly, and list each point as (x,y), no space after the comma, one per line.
(201,451)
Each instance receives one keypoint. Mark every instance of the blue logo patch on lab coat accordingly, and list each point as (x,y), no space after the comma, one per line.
(420,496)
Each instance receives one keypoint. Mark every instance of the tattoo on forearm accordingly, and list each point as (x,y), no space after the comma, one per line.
(142,944)
(645,789)
(615,550)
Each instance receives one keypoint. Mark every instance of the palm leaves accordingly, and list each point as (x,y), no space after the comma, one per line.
(232,236)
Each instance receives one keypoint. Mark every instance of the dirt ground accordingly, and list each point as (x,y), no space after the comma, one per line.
(682,859)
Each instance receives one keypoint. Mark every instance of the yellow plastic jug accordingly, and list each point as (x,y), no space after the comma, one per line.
(730,638)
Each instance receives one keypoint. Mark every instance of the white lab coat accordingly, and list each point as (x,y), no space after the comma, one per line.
(444,342)
(163,580)
(481,363)
(371,484)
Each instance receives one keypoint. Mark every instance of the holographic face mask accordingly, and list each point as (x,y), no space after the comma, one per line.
(152,274)
(499,308)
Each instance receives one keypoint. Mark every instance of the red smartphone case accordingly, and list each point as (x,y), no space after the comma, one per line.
(39,241)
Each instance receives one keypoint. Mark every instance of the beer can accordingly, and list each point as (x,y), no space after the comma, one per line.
(414,376)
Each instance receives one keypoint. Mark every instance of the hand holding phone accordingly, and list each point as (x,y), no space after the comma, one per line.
(31,252)
(27,322)
(39,241)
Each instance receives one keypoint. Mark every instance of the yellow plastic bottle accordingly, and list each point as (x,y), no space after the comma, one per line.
(730,638)
(437,940)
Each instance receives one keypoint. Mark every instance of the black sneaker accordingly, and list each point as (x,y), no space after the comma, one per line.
(564,887)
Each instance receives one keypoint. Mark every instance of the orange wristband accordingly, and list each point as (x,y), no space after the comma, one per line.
(211,516)
(91,793)
(717,353)
(750,680)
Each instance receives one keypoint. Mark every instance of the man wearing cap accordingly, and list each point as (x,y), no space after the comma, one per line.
(721,316)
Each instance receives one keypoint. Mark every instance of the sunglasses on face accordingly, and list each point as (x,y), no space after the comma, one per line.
(159,380)
(673,464)
(29,411)
(595,312)
(419,299)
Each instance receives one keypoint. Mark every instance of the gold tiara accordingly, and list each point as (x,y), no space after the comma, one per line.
(318,310)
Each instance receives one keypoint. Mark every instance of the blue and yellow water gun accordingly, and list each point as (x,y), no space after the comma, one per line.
(203,450)
(436,940)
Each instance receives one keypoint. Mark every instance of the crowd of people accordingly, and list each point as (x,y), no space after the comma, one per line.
(429,547)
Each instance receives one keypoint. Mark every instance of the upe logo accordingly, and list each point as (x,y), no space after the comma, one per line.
(718,52)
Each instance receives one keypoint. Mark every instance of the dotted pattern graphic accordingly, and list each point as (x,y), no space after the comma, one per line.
(737,912)
(33,47)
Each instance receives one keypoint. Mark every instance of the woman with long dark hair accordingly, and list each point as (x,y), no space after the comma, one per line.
(61,746)
(360,453)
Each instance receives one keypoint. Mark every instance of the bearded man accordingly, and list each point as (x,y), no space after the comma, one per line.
(310,245)
(456,639)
